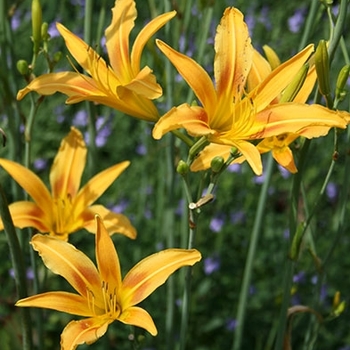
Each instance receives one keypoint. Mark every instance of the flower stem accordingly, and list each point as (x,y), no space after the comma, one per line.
(19,268)
(237,340)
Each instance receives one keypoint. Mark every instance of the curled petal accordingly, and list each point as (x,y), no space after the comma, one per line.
(64,259)
(139,317)
(192,118)
(30,182)
(196,77)
(113,222)
(152,272)
(28,214)
(60,301)
(97,185)
(83,331)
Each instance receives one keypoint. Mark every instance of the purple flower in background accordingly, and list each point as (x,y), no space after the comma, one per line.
(231,324)
(141,149)
(29,273)
(40,164)
(332,191)
(299,277)
(80,118)
(52,30)
(120,207)
(264,17)
(103,132)
(295,22)
(234,168)
(216,224)
(284,172)
(211,264)
(238,217)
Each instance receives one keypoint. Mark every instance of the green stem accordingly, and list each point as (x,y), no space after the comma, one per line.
(185,310)
(19,268)
(241,312)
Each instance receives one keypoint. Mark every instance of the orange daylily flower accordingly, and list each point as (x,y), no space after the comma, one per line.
(103,296)
(231,117)
(68,208)
(122,84)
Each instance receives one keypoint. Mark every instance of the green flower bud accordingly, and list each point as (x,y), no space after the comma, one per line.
(57,56)
(182,168)
(341,81)
(36,24)
(294,87)
(22,67)
(217,164)
(44,31)
(322,69)
(271,57)
(296,242)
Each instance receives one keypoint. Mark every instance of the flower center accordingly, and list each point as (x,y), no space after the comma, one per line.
(63,215)
(112,306)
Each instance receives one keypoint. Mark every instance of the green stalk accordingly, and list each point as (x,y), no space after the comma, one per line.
(242,303)
(90,107)
(19,268)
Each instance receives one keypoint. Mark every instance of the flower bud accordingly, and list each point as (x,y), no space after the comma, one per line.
(294,87)
(44,31)
(182,168)
(36,25)
(322,69)
(57,56)
(22,67)
(271,57)
(343,76)
(217,163)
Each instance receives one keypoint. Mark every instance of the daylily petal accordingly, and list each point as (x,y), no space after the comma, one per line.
(205,157)
(193,118)
(144,84)
(97,185)
(296,118)
(259,71)
(107,258)
(77,86)
(83,331)
(28,214)
(307,87)
(117,39)
(196,77)
(30,182)
(80,50)
(64,259)
(68,166)
(145,34)
(152,272)
(139,317)
(113,222)
(234,54)
(60,301)
(251,154)
(285,158)
(278,79)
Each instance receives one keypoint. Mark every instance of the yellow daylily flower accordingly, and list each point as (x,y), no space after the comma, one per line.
(230,116)
(279,145)
(103,296)
(67,208)
(122,84)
